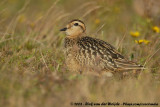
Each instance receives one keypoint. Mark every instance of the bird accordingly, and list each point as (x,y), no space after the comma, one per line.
(85,53)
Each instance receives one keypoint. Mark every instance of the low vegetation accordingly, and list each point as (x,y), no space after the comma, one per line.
(32,68)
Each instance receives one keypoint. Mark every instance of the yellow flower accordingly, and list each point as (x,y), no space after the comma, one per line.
(156,29)
(139,41)
(117,9)
(22,18)
(142,41)
(32,24)
(97,21)
(146,42)
(135,34)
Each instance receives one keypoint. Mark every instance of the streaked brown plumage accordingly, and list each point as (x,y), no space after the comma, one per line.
(87,53)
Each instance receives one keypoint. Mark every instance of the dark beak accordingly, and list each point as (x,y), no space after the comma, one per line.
(64,29)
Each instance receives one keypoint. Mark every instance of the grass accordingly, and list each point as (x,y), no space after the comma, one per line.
(32,67)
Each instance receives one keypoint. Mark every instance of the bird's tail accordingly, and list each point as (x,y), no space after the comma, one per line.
(128,65)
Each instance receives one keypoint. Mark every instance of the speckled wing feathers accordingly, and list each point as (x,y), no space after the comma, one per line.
(95,52)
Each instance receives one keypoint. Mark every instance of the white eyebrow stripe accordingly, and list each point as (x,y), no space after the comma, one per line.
(82,28)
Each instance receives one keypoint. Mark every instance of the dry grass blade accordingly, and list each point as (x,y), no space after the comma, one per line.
(9,39)
(91,10)
(120,43)
(49,10)
(43,59)
(99,29)
(149,58)
(12,25)
(84,5)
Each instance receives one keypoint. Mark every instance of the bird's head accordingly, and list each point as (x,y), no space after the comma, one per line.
(74,28)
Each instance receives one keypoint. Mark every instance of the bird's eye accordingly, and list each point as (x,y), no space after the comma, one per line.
(76,24)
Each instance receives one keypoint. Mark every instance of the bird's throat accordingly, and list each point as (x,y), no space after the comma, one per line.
(76,36)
